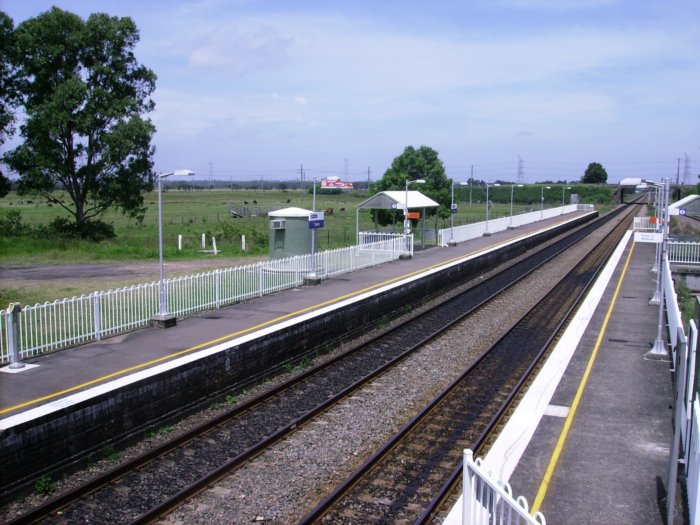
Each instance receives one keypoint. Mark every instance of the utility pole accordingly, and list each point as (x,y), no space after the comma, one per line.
(211,173)
(521,171)
(368,173)
(471,183)
(301,181)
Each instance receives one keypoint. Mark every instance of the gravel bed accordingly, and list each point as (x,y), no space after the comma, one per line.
(285,482)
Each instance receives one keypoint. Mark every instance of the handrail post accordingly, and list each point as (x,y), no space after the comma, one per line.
(96,315)
(217,287)
(467,490)
(12,326)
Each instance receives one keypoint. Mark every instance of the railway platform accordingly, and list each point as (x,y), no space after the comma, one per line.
(61,379)
(590,441)
(611,465)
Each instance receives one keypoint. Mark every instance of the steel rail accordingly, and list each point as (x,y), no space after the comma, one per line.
(118,472)
(324,507)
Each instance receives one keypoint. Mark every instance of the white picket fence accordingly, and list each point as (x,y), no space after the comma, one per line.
(67,322)
(472,231)
(486,501)
(685,448)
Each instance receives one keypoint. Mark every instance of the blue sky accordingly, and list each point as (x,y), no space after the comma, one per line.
(249,89)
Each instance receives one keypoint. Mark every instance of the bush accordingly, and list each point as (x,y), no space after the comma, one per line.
(11,224)
(95,231)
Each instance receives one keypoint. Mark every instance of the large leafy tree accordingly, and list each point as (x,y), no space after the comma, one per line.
(84,94)
(422,163)
(8,94)
(595,173)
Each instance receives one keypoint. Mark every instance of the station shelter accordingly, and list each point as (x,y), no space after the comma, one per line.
(395,201)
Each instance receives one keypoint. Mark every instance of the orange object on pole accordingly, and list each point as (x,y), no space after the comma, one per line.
(414,215)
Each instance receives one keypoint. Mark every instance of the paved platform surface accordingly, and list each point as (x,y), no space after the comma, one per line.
(78,369)
(613,460)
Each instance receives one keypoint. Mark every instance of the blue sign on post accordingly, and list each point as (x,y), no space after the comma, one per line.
(316,219)
(453,208)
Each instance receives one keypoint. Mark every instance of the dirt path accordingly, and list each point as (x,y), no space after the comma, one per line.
(50,282)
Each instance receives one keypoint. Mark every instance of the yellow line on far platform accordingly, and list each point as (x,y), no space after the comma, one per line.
(542,492)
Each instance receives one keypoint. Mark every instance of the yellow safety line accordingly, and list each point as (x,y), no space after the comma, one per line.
(250,329)
(542,492)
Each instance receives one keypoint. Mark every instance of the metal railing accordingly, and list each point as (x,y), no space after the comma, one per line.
(645,224)
(72,321)
(684,253)
(478,229)
(485,501)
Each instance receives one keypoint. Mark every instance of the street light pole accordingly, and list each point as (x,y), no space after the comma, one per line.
(563,189)
(487,233)
(512,190)
(163,319)
(542,188)
(453,210)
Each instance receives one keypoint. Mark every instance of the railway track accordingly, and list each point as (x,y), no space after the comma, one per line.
(414,473)
(151,485)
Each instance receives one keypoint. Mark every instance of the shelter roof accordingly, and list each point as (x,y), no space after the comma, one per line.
(395,199)
(290,212)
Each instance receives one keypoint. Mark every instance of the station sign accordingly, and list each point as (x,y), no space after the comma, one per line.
(316,219)
(653,237)
(414,215)
(453,208)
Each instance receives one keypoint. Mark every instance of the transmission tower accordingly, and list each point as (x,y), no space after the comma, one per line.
(686,170)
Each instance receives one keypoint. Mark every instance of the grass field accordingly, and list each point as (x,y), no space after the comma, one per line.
(193,213)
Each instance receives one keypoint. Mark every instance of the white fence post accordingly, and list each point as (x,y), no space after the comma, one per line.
(467,488)
(217,288)
(96,315)
(13,340)
(261,290)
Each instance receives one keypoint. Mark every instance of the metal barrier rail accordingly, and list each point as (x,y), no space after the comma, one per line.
(687,253)
(478,229)
(67,322)
(485,501)
(645,224)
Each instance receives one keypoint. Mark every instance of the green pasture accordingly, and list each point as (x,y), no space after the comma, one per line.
(193,213)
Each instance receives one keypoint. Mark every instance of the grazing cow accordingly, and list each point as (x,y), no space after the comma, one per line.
(245,202)
(289,200)
(342,209)
(329,211)
(254,201)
